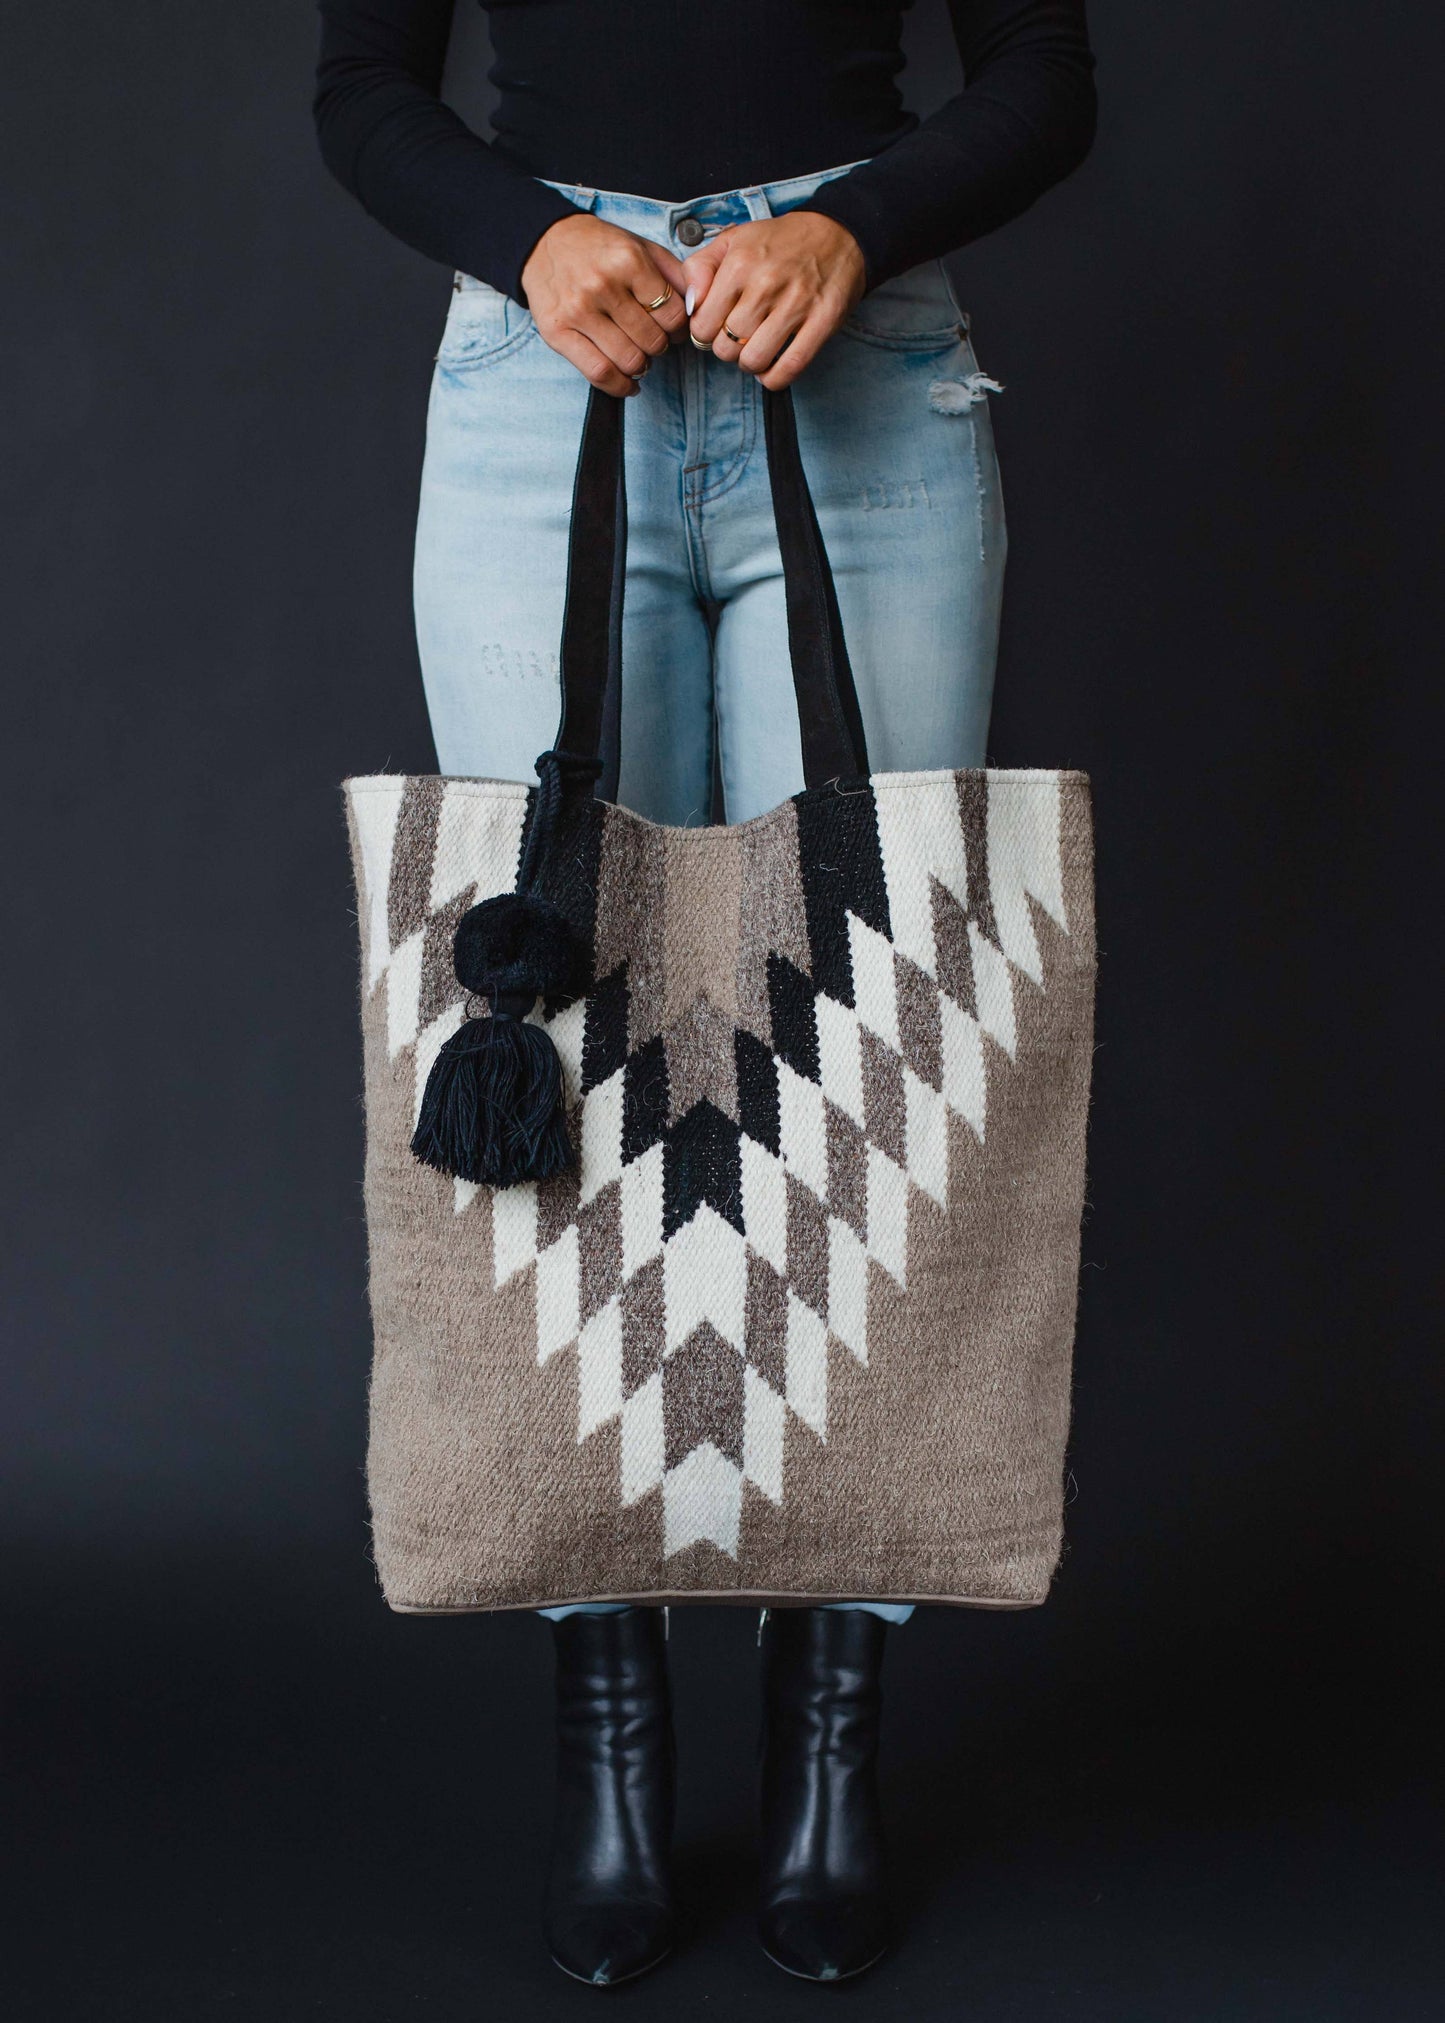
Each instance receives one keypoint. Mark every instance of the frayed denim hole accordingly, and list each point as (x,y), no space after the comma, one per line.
(957,396)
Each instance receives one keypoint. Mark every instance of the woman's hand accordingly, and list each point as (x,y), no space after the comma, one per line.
(778,281)
(588,286)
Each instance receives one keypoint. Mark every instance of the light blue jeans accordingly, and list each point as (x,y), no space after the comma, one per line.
(894,427)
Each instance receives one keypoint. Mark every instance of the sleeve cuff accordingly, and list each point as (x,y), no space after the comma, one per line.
(851,206)
(508,250)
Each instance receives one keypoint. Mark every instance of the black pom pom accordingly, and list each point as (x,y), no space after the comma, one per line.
(492,1111)
(517,943)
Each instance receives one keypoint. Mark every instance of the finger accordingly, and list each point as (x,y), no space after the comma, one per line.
(594,367)
(649,282)
(643,326)
(761,349)
(724,296)
(672,270)
(743,321)
(699,268)
(800,352)
(613,341)
(670,316)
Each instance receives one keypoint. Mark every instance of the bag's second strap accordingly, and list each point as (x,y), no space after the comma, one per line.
(832,728)
(829,721)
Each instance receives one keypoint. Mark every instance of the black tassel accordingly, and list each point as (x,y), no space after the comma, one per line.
(493,1109)
(493,1112)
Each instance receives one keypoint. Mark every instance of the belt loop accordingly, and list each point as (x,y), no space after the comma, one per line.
(585,200)
(756,200)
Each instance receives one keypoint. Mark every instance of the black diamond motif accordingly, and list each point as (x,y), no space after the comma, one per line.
(644,1099)
(701,1162)
(795,1020)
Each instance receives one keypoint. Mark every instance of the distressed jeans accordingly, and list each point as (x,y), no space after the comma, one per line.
(896,439)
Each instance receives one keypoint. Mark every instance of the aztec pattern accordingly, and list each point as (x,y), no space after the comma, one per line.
(783,1017)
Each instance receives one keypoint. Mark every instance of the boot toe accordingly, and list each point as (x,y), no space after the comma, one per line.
(824,1940)
(608,1942)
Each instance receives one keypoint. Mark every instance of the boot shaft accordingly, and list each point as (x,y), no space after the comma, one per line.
(613,1696)
(616,1757)
(822,1707)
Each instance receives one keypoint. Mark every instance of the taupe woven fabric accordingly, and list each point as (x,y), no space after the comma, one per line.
(800,1326)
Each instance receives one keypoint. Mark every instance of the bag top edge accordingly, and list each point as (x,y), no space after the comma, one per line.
(511,790)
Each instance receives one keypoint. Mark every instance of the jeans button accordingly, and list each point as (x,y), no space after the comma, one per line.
(689,231)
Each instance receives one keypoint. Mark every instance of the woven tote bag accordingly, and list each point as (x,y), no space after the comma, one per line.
(723,1184)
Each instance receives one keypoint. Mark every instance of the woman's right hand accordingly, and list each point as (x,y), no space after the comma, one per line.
(588,284)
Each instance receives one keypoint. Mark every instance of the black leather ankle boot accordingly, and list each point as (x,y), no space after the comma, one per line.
(608,1905)
(822,1911)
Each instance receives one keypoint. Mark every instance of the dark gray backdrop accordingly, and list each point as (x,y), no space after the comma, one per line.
(1194,1785)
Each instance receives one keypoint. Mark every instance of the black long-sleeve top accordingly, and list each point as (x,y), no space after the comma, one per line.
(680,98)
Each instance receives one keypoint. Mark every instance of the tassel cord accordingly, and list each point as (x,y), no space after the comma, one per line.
(556,770)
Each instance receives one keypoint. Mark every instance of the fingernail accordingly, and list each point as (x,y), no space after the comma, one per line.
(689,300)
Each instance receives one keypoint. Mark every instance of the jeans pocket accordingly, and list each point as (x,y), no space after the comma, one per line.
(915,311)
(482,323)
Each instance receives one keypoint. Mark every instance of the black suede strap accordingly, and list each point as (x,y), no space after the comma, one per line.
(833,742)
(597,547)
(828,716)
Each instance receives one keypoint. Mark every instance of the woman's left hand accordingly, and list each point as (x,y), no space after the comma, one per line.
(777,282)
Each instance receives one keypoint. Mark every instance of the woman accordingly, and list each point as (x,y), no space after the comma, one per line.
(684,204)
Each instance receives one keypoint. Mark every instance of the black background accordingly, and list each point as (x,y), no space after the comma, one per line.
(1196,1785)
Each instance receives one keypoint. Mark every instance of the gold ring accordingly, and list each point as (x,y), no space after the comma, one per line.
(733,335)
(665,296)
